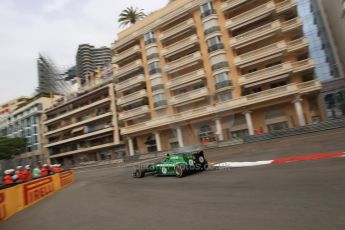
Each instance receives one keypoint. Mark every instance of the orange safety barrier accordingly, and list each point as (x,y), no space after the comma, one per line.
(18,197)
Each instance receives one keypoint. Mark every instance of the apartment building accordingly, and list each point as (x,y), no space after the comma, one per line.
(88,59)
(9,106)
(83,128)
(27,121)
(199,71)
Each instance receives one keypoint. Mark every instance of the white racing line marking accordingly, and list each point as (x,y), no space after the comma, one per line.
(242,164)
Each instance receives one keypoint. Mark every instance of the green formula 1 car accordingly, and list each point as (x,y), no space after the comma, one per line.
(174,165)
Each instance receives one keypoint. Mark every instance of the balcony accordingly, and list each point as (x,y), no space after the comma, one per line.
(256,34)
(189,96)
(127,69)
(60,142)
(182,62)
(260,53)
(127,53)
(231,4)
(268,73)
(297,44)
(73,125)
(133,113)
(180,46)
(303,65)
(132,97)
(292,24)
(287,91)
(271,94)
(286,5)
(250,16)
(178,29)
(69,113)
(184,79)
(150,41)
(211,30)
(121,86)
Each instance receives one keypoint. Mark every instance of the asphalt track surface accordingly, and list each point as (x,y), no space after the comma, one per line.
(301,195)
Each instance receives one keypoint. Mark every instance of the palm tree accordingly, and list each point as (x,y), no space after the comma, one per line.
(130,16)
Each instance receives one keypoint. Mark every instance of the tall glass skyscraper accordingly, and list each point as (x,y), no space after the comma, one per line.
(319,44)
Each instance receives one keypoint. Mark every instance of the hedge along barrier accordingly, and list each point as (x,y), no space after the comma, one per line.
(18,197)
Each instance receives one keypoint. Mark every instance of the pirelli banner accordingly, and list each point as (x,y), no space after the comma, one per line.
(18,197)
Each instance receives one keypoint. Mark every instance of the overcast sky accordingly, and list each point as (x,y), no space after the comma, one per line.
(55,28)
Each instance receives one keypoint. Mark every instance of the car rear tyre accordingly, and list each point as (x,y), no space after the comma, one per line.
(138,173)
(180,170)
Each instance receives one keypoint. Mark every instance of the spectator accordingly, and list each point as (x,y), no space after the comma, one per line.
(27,173)
(19,173)
(7,178)
(36,172)
(45,170)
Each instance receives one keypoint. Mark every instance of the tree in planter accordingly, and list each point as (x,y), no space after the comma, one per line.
(130,16)
(11,147)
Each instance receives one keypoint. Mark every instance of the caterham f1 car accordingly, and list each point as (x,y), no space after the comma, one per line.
(174,165)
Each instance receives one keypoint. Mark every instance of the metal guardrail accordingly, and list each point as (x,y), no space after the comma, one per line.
(322,126)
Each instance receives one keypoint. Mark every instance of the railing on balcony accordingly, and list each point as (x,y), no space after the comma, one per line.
(223,84)
(122,71)
(181,62)
(132,97)
(161,103)
(266,73)
(191,95)
(157,87)
(292,24)
(297,44)
(303,65)
(211,30)
(130,82)
(232,4)
(152,56)
(255,33)
(177,29)
(180,45)
(220,65)
(285,5)
(154,71)
(260,53)
(250,15)
(186,78)
(126,53)
(134,112)
(215,47)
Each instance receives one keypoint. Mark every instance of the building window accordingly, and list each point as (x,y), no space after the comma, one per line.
(207,9)
(159,100)
(214,44)
(154,68)
(239,133)
(277,126)
(224,96)
(149,38)
(222,80)
(206,134)
(151,143)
